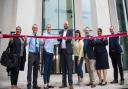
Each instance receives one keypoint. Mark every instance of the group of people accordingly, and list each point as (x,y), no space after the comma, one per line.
(92,50)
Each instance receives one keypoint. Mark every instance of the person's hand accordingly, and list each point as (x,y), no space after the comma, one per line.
(1,35)
(65,38)
(78,61)
(25,38)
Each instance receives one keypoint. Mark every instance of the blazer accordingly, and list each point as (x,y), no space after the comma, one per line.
(114,45)
(69,46)
(88,48)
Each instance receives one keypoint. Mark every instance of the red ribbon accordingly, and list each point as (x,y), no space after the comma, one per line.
(61,37)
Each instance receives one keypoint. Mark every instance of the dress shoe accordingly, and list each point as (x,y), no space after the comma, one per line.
(49,86)
(36,87)
(46,88)
(93,85)
(63,86)
(89,84)
(28,86)
(122,82)
(114,81)
(104,83)
(71,87)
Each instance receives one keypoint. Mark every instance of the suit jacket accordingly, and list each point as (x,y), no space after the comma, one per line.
(88,48)
(69,48)
(114,45)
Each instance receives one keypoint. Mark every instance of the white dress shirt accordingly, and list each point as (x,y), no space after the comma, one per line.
(63,45)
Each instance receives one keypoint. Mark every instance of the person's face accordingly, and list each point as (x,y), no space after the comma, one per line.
(111,30)
(18,30)
(86,32)
(34,29)
(99,32)
(66,25)
(48,28)
(77,34)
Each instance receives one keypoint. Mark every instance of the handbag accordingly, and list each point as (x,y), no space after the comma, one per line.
(9,59)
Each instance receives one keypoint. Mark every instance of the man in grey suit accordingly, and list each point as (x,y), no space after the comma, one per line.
(66,52)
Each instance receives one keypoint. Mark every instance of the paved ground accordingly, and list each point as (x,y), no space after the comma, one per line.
(56,81)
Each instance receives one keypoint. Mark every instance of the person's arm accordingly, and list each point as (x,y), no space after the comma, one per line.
(81,49)
(70,34)
(105,41)
(60,34)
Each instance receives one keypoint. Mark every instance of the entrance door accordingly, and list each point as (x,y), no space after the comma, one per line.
(55,12)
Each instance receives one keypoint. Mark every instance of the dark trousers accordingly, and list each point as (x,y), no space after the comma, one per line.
(67,66)
(48,59)
(117,64)
(15,72)
(33,64)
(79,66)
(14,77)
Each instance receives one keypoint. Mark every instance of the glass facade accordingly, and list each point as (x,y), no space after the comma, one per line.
(55,12)
(86,13)
(123,20)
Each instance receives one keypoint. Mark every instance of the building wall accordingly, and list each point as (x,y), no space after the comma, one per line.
(27,12)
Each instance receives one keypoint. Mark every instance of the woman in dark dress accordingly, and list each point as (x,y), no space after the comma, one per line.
(101,57)
(17,47)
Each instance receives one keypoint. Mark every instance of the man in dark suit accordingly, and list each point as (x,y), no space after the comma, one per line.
(66,52)
(115,54)
(89,57)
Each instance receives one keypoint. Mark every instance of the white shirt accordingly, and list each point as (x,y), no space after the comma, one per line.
(63,44)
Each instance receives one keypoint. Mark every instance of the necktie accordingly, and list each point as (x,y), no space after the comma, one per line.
(36,47)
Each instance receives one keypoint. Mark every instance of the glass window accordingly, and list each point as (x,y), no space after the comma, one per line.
(122,28)
(86,13)
(55,12)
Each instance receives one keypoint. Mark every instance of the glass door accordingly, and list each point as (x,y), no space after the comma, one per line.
(55,12)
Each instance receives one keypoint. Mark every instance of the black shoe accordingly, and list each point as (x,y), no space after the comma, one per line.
(46,88)
(28,87)
(89,84)
(71,87)
(93,85)
(36,87)
(114,81)
(122,82)
(104,83)
(100,83)
(49,86)
(63,86)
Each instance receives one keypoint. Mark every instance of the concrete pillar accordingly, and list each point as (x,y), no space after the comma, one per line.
(100,15)
(7,24)
(29,12)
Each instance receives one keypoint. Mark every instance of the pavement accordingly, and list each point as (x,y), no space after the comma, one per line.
(57,78)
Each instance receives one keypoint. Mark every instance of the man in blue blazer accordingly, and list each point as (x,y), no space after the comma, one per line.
(89,57)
